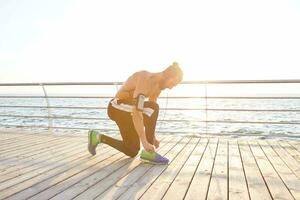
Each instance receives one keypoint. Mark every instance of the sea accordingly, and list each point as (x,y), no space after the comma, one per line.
(176,115)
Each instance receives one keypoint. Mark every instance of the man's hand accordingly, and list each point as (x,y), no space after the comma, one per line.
(156,142)
(148,147)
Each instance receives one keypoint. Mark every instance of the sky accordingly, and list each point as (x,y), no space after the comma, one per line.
(89,40)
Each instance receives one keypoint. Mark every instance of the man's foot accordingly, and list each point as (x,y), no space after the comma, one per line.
(94,139)
(153,158)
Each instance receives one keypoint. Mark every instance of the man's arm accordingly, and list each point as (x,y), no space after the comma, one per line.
(137,116)
(153,98)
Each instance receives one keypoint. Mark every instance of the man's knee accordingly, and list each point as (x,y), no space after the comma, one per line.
(152,105)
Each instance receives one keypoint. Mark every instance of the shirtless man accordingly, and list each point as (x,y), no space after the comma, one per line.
(136,118)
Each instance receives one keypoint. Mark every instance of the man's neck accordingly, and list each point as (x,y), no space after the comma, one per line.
(161,81)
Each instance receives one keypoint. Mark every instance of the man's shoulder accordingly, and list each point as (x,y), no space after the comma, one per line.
(144,79)
(142,75)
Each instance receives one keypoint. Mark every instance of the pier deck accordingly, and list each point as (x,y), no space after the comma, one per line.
(53,166)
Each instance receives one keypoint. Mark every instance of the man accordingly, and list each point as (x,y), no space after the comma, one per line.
(135,117)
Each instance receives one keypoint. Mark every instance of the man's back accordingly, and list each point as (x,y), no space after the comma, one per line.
(143,80)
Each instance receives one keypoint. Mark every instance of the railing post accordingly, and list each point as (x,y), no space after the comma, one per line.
(205,91)
(50,120)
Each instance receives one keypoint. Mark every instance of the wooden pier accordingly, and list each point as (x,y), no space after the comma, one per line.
(58,166)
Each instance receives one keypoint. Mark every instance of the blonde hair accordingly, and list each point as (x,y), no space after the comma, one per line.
(174,71)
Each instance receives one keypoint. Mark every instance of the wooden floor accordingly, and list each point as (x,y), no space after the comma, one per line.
(52,166)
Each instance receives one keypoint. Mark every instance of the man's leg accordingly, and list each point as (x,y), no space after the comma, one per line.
(150,122)
(130,145)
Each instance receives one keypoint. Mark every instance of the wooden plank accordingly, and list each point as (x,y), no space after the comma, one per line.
(295,144)
(289,178)
(136,189)
(286,157)
(256,184)
(104,184)
(99,177)
(18,159)
(4,136)
(37,139)
(11,150)
(4,130)
(111,162)
(13,143)
(125,173)
(30,152)
(23,153)
(26,148)
(32,183)
(50,186)
(25,138)
(35,163)
(276,186)
(9,138)
(50,147)
(22,138)
(48,165)
(181,183)
(200,183)
(21,132)
(291,150)
(166,178)
(218,184)
(17,145)
(129,179)
(237,188)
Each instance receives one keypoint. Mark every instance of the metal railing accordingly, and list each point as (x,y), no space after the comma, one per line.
(205,109)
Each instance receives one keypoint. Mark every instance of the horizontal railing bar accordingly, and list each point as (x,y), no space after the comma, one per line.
(100,108)
(58,97)
(54,127)
(89,118)
(202,121)
(184,82)
(253,110)
(252,122)
(202,109)
(242,81)
(233,97)
(61,83)
(52,107)
(192,134)
(163,97)
(53,117)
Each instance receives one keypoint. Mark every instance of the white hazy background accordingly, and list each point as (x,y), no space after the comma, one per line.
(64,40)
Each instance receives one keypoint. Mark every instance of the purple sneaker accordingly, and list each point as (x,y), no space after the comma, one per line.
(153,158)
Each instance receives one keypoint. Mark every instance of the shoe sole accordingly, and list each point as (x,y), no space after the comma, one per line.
(151,162)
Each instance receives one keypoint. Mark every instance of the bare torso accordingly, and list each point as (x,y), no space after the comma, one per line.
(142,82)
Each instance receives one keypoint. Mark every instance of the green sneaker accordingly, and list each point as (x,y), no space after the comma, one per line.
(93,141)
(153,158)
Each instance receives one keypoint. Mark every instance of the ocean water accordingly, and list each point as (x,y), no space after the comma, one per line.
(190,118)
